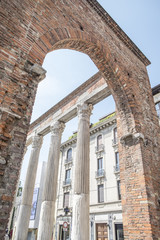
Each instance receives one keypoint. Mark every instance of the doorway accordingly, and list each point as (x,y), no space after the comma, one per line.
(119,232)
(101,231)
(64,235)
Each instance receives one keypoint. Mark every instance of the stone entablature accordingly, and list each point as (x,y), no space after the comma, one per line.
(92,91)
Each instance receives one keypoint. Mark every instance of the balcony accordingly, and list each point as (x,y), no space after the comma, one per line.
(68,160)
(99,148)
(100,173)
(116,169)
(67,182)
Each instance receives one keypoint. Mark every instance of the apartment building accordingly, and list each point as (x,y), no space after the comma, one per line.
(106,220)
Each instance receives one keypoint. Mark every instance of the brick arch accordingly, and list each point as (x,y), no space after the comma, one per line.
(99,52)
(131,115)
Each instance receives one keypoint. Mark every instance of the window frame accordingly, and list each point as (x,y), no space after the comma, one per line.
(64,199)
(119,189)
(98,140)
(117,159)
(66,174)
(99,160)
(115,135)
(69,154)
(157,106)
(100,197)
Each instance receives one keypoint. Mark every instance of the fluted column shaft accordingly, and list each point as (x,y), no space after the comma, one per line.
(47,215)
(80,222)
(27,196)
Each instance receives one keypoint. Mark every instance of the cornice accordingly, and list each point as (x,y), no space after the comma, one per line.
(93,130)
(156,89)
(118,31)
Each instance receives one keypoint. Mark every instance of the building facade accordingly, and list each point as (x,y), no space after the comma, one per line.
(104,179)
(105,197)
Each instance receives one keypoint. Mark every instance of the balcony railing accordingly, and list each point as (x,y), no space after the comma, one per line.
(99,148)
(68,160)
(100,173)
(67,182)
(116,169)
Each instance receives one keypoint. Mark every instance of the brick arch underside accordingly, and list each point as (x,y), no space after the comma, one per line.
(100,54)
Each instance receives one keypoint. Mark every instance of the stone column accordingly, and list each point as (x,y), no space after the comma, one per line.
(80,222)
(47,215)
(27,196)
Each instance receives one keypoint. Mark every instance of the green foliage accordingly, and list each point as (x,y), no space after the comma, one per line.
(95,124)
(104,119)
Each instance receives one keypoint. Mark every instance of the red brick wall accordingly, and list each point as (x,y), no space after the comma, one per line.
(30,29)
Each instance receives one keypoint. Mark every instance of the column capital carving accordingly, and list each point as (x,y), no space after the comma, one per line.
(57,128)
(84,110)
(37,141)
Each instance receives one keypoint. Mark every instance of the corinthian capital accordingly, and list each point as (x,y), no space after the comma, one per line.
(57,128)
(84,111)
(37,141)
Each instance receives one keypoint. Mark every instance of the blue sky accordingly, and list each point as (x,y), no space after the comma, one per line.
(66,69)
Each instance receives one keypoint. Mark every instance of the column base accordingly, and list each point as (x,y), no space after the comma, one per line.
(45,228)
(23,222)
(80,222)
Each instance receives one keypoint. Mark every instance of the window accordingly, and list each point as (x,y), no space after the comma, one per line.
(69,154)
(101,193)
(115,137)
(158,109)
(119,189)
(117,160)
(68,176)
(100,163)
(99,140)
(100,171)
(100,146)
(119,232)
(66,200)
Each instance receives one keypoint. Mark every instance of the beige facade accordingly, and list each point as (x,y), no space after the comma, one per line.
(105,204)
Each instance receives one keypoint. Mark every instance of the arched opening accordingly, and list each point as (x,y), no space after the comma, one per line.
(124,96)
(124,111)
